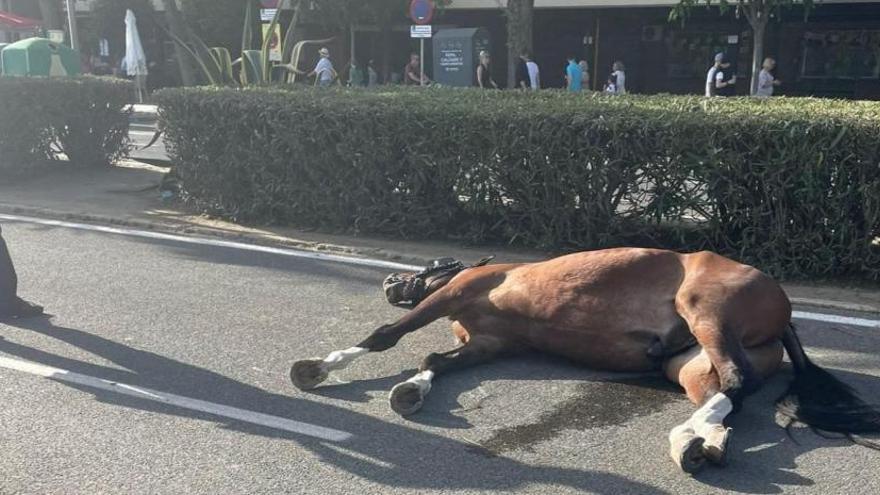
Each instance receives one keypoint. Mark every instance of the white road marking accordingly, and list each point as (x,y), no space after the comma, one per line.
(235,413)
(844,320)
(349,260)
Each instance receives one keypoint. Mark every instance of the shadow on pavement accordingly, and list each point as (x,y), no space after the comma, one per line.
(379,451)
(763,456)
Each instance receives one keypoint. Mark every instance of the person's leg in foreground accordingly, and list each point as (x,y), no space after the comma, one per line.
(12,306)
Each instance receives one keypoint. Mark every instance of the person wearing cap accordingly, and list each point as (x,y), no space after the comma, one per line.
(324,72)
(12,306)
(716,78)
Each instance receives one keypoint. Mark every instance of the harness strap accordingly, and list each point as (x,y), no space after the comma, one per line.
(410,290)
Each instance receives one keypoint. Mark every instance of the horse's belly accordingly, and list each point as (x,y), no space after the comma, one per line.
(620,351)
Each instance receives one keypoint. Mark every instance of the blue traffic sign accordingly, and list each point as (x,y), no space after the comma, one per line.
(421,11)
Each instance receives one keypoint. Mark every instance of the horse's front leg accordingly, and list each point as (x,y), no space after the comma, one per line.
(309,373)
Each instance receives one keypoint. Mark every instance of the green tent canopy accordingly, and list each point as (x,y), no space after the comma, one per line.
(39,57)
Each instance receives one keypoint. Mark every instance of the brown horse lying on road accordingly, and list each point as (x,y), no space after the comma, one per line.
(715,326)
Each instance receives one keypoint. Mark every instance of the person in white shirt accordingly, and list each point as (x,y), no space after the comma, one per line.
(716,79)
(534,73)
(766,80)
(618,76)
(324,72)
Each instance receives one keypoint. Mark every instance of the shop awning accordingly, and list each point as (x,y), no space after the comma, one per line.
(12,22)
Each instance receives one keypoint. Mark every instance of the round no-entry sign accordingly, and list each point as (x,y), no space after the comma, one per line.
(421,11)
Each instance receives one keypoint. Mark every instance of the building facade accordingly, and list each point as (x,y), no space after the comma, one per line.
(835,53)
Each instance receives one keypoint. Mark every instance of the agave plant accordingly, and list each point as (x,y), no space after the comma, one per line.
(255,66)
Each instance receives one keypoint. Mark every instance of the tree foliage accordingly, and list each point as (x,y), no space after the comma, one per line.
(217,22)
(108,21)
(753,10)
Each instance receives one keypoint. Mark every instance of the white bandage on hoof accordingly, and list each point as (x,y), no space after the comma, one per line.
(686,449)
(708,423)
(406,398)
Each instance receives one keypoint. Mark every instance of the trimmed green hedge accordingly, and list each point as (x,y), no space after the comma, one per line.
(84,118)
(791,185)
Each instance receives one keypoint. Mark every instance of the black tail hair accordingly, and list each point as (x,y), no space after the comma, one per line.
(822,402)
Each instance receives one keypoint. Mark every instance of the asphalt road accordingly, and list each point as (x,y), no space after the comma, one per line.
(223,325)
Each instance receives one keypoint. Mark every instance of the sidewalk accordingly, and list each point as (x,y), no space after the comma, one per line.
(128,195)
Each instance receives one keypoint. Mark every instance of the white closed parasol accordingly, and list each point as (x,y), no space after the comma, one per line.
(135,59)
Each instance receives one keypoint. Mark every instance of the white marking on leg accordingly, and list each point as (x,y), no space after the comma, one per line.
(338,360)
(711,416)
(423,380)
(707,422)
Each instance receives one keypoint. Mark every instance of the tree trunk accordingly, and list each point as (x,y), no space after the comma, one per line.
(50,10)
(175,25)
(520,15)
(4,36)
(759,28)
(385,26)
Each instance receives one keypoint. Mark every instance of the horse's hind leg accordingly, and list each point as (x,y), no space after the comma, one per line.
(407,397)
(309,373)
(703,436)
(689,446)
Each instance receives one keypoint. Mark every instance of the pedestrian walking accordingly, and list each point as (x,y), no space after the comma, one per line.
(12,306)
(523,79)
(412,72)
(484,72)
(534,74)
(355,75)
(618,76)
(372,74)
(324,72)
(574,77)
(585,74)
(766,80)
(716,79)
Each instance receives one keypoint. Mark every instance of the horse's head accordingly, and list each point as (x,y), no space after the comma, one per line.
(409,289)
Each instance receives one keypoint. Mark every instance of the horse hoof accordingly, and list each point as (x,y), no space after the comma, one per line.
(688,456)
(308,373)
(406,398)
(715,446)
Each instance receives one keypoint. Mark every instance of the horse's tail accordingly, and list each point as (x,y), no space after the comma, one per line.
(821,401)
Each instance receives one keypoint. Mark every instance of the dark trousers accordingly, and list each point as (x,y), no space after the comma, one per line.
(8,279)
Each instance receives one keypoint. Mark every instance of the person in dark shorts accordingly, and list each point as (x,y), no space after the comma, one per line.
(12,306)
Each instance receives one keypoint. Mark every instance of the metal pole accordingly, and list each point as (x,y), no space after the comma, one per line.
(422,61)
(596,57)
(71,19)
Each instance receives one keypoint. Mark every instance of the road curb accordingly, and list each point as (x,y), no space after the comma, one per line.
(839,305)
(283,242)
(195,230)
